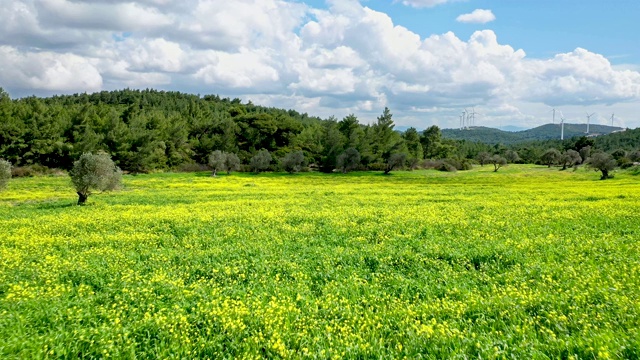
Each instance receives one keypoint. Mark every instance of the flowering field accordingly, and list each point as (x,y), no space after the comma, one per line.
(525,263)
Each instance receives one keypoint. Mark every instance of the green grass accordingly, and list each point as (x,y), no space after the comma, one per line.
(528,262)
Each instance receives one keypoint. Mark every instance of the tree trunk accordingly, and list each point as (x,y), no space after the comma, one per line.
(82,198)
(605,174)
(214,172)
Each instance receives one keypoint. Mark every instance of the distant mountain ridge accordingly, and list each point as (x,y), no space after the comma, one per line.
(545,132)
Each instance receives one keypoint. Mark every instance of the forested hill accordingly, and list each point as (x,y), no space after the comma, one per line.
(544,132)
(156,130)
(141,129)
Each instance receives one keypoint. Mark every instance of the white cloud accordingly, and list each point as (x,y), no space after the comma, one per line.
(101,16)
(47,71)
(347,58)
(478,16)
(424,3)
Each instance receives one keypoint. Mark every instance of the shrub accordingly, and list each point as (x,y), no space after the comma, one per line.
(94,172)
(191,167)
(34,170)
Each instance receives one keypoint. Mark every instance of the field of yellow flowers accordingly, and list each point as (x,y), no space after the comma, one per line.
(525,263)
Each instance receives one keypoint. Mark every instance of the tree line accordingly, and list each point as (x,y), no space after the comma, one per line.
(149,130)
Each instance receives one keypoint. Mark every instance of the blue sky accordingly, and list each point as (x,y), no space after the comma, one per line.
(513,60)
(542,28)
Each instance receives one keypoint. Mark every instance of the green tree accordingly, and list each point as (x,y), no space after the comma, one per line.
(332,146)
(4,96)
(293,161)
(94,172)
(582,142)
(260,161)
(348,160)
(5,172)
(602,162)
(385,140)
(431,141)
(414,147)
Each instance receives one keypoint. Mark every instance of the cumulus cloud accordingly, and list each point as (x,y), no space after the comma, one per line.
(346,58)
(478,16)
(47,71)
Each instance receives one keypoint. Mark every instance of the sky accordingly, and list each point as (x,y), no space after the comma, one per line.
(509,61)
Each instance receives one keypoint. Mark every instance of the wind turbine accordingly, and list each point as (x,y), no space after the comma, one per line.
(612,116)
(464,119)
(468,119)
(561,126)
(553,121)
(589,121)
(473,116)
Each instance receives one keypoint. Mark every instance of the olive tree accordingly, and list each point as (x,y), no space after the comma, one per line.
(260,161)
(512,156)
(550,157)
(498,162)
(602,162)
(570,158)
(5,173)
(231,162)
(94,172)
(585,153)
(223,161)
(348,160)
(217,160)
(394,161)
(293,161)
(483,157)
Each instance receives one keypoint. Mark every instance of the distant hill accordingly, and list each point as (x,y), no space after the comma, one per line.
(545,132)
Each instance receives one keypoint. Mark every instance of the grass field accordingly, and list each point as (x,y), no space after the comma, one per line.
(525,263)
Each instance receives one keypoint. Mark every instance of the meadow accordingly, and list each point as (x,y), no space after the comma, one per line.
(525,263)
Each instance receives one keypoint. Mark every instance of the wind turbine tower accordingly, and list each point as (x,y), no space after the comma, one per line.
(553,120)
(589,121)
(561,126)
